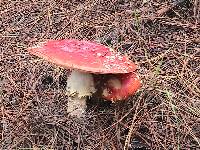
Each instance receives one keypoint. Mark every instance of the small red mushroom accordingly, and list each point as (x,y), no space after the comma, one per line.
(121,86)
(85,59)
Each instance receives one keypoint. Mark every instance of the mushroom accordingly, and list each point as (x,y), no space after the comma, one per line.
(90,63)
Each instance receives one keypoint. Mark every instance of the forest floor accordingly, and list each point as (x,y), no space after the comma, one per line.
(161,36)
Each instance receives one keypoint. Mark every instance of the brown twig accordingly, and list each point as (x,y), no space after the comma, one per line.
(131,128)
(164,9)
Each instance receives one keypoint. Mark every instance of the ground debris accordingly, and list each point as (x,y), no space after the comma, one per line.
(33,97)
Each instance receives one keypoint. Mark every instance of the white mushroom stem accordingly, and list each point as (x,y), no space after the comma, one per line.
(79,86)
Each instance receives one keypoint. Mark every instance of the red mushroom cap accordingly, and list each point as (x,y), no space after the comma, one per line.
(129,83)
(83,55)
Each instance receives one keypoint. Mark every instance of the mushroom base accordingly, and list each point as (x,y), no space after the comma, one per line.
(76,106)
